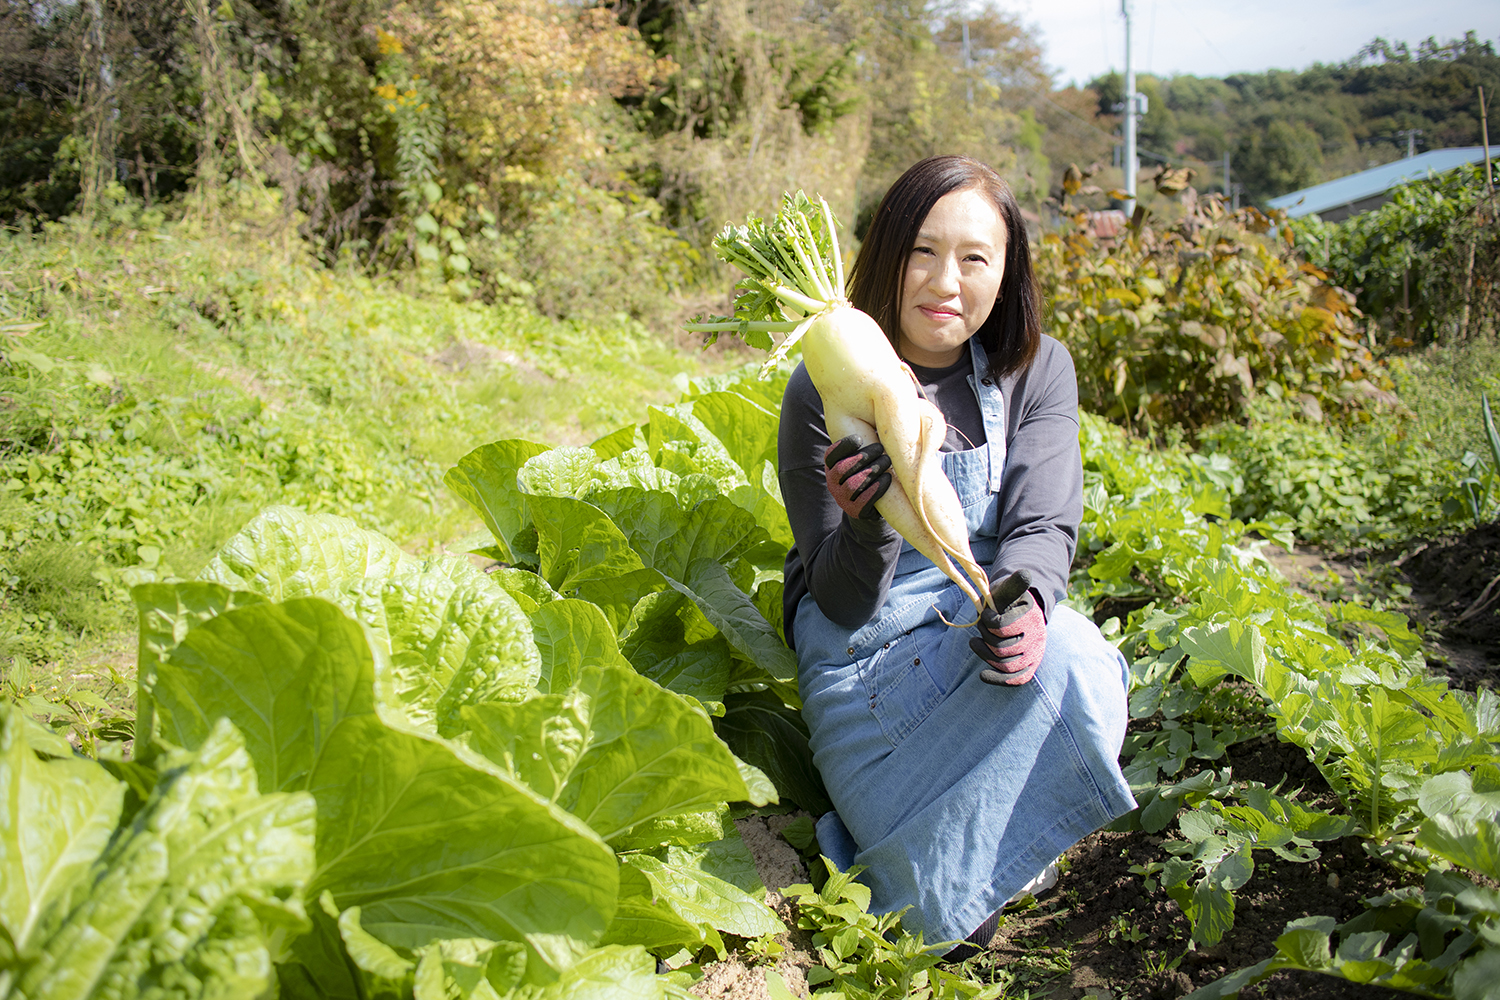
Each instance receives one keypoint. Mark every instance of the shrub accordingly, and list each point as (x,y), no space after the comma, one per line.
(1185,325)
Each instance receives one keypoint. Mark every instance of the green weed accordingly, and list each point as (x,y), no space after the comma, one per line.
(865,956)
(158,387)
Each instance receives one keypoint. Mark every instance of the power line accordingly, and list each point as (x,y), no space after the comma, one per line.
(1206,40)
(1151,35)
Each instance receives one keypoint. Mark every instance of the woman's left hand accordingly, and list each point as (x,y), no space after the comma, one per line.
(1011,641)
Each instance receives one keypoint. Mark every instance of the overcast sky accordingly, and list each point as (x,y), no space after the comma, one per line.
(1084,38)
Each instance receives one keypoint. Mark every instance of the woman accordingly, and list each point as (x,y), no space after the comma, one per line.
(960,765)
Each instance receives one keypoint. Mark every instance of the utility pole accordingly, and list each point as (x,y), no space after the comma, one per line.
(1411,140)
(1226,174)
(1484,124)
(1132,164)
(968,65)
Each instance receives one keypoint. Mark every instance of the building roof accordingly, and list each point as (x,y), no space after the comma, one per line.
(1375,181)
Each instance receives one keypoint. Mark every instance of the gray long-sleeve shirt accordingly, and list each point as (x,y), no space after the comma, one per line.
(847,565)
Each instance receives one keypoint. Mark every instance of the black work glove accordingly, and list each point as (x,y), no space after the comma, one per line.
(857,477)
(1013,638)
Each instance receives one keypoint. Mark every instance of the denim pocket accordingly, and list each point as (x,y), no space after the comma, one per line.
(900,684)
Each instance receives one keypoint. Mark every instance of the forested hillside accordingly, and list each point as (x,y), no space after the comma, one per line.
(1287,129)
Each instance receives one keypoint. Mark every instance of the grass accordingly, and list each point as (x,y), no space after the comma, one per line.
(1441,386)
(160,384)
(1393,475)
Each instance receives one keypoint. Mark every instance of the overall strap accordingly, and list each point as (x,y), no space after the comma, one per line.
(992,407)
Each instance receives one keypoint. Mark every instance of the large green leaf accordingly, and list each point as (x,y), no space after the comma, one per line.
(762,498)
(669,640)
(578,543)
(651,755)
(284,553)
(529,590)
(764,732)
(538,741)
(56,818)
(676,428)
(613,972)
(166,612)
(1234,647)
(445,969)
(645,920)
(300,677)
(1454,793)
(1462,825)
(188,899)
(617,597)
(288,675)
(569,634)
(669,538)
(559,472)
(728,858)
(367,951)
(485,478)
(734,614)
(702,898)
(616,751)
(634,468)
(746,430)
(682,829)
(618,442)
(456,638)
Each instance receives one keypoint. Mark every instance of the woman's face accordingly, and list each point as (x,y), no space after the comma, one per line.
(952,278)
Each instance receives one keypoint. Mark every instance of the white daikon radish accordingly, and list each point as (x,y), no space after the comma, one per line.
(796,287)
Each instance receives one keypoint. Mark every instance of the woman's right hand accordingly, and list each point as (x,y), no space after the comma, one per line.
(857,477)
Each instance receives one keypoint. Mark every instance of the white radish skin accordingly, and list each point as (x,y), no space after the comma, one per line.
(864,385)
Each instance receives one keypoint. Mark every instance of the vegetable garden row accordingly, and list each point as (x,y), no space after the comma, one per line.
(358,773)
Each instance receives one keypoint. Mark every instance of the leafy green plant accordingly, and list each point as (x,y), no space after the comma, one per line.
(1446,935)
(1336,486)
(1124,930)
(199,884)
(1204,608)
(1216,856)
(1476,491)
(1424,263)
(94,712)
(866,956)
(581,793)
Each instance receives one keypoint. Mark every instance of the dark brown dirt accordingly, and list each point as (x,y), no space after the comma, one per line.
(1455,584)
(1099,906)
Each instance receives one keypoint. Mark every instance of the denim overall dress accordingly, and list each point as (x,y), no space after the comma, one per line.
(951,792)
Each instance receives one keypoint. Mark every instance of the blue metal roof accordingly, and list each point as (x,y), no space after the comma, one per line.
(1375,181)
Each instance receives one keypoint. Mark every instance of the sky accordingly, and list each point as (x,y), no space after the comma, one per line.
(1085,38)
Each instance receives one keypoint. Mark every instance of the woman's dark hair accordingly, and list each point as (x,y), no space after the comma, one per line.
(1013,331)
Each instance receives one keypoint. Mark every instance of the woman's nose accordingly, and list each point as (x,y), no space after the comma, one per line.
(945,277)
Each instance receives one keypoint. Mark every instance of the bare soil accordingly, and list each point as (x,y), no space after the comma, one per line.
(1119,937)
(1455,584)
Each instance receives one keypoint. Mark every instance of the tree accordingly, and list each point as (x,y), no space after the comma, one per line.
(1281,158)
